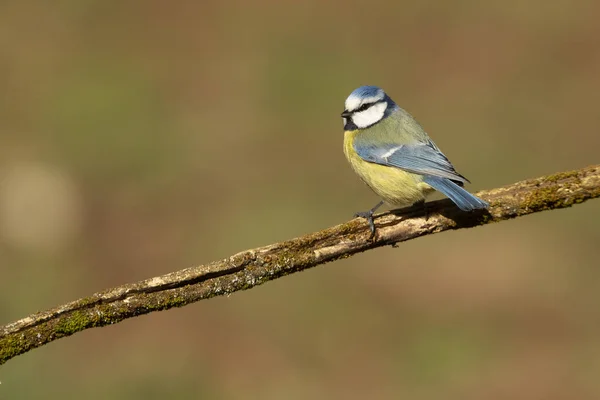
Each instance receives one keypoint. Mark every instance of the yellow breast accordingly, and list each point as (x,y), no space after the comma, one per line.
(393,185)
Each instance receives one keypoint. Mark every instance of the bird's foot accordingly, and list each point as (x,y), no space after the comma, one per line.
(423,204)
(368,215)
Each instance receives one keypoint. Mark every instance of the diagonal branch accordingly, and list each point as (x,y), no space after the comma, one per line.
(254,267)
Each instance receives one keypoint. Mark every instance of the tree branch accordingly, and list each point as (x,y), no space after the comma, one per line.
(254,267)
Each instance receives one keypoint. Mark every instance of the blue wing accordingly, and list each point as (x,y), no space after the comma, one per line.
(422,159)
(427,160)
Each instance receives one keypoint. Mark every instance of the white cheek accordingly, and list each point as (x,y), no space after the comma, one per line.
(370,116)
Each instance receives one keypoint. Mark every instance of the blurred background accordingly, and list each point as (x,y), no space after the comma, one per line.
(142,137)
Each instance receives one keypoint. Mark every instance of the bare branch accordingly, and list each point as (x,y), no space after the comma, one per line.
(254,267)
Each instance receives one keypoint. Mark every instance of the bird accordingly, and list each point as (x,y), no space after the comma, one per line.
(389,150)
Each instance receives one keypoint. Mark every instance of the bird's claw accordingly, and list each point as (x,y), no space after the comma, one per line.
(423,205)
(368,215)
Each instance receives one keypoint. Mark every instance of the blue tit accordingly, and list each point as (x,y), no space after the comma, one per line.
(393,155)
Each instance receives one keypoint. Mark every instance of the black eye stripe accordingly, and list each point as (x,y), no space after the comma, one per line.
(364,107)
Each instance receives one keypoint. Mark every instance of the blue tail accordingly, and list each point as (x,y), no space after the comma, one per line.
(463,199)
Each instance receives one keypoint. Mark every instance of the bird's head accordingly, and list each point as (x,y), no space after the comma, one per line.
(365,107)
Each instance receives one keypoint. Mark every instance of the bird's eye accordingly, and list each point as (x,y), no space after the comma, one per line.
(363,107)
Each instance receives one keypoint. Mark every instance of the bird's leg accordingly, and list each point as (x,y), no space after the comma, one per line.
(368,215)
(422,203)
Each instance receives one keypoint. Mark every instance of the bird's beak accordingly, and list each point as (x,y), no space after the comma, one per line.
(346,114)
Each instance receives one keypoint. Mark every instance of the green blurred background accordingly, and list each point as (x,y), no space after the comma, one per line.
(142,137)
